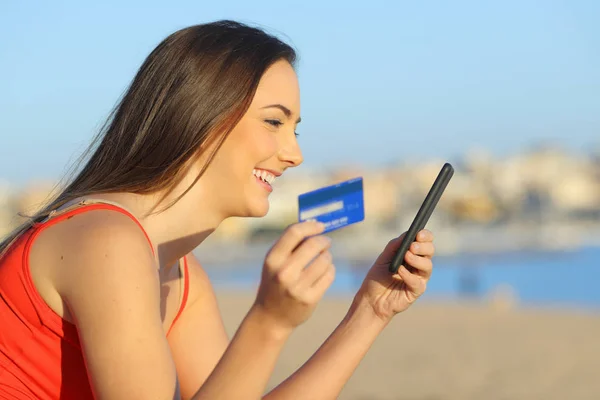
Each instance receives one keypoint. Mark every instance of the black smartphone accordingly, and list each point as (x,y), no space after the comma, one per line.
(439,185)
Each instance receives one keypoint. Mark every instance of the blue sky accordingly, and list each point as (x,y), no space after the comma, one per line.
(381,81)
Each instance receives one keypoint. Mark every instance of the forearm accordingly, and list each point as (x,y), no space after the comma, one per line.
(324,375)
(246,366)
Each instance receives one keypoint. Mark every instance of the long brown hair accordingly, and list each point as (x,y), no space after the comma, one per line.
(189,93)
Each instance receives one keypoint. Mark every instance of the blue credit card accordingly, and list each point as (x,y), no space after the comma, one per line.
(336,206)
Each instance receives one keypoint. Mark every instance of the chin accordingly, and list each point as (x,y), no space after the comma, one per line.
(258,209)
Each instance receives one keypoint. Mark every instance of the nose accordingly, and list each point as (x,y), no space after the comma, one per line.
(290,153)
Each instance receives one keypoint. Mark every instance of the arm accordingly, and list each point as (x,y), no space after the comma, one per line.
(380,298)
(246,366)
(324,375)
(109,281)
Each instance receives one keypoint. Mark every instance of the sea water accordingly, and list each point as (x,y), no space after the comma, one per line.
(570,279)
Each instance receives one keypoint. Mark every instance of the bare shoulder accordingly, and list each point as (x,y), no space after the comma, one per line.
(91,245)
(96,230)
(91,234)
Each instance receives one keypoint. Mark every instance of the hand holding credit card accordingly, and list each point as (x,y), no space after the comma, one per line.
(336,205)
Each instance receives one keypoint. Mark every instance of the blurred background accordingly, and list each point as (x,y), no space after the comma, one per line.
(508,92)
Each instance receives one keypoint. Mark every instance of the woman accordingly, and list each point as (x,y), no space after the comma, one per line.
(100,295)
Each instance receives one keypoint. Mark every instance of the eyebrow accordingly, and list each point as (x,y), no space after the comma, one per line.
(285,110)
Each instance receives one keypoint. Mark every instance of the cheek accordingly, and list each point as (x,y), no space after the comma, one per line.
(265,145)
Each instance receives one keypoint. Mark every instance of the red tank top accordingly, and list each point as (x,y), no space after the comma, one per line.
(40,354)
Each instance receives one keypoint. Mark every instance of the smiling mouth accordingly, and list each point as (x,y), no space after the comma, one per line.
(264,176)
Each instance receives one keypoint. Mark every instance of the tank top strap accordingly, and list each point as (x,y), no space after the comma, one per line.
(185,292)
(82,206)
(70,207)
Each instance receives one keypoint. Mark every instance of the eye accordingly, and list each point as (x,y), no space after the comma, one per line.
(274,122)
(277,123)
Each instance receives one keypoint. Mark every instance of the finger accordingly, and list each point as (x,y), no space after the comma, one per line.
(318,289)
(419,265)
(302,256)
(414,283)
(426,249)
(424,236)
(311,274)
(291,238)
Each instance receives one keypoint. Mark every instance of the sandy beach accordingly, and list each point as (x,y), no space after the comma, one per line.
(438,351)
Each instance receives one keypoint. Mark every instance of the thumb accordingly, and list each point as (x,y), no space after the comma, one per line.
(389,251)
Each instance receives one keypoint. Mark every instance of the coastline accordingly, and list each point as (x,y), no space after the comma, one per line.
(355,244)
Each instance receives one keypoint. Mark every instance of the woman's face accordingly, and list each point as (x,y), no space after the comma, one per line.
(260,147)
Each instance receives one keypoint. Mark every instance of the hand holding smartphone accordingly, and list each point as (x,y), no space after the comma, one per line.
(418,224)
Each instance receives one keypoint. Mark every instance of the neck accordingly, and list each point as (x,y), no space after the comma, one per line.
(174,232)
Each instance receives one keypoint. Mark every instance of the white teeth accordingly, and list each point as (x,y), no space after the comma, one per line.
(264,175)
